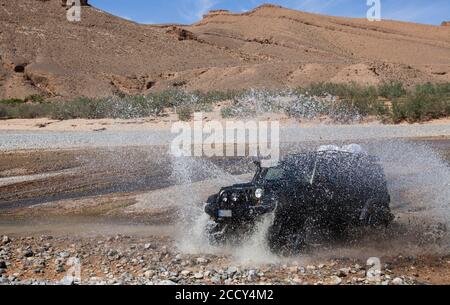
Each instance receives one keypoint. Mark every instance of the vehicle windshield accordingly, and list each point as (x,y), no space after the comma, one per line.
(300,169)
(274,173)
(270,174)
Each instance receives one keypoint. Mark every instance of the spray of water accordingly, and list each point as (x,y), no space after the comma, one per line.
(418,181)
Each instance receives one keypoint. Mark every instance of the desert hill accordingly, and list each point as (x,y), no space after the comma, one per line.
(270,46)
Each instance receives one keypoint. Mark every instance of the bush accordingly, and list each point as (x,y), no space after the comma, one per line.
(391,90)
(35,98)
(425,103)
(184,112)
(341,102)
(3,111)
(12,101)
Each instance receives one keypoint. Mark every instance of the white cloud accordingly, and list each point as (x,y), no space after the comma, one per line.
(193,10)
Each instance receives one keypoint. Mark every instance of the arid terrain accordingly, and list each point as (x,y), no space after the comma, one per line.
(269,47)
(91,194)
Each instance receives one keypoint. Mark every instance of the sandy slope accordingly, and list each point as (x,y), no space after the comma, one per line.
(41,52)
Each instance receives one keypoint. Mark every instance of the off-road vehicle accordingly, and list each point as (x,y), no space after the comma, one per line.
(309,195)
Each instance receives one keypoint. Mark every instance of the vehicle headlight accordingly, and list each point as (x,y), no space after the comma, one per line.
(234,197)
(224,197)
(259,193)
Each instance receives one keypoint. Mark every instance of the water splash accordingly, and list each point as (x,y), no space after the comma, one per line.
(418,181)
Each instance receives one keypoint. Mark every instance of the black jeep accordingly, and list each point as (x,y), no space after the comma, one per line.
(311,195)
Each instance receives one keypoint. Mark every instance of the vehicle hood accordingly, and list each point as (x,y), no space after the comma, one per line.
(239,186)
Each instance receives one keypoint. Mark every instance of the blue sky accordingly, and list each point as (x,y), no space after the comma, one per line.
(189,11)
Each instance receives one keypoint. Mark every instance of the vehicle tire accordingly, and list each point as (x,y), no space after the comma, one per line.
(285,240)
(376,214)
(216,233)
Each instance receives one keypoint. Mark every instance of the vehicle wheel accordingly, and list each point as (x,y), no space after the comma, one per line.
(376,214)
(285,240)
(216,232)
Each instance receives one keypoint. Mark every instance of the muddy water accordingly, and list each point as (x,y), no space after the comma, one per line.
(47,191)
(30,178)
(34,177)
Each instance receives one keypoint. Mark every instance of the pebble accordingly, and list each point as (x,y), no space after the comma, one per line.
(343,272)
(185,272)
(67,280)
(167,283)
(198,275)
(293,269)
(232,270)
(297,281)
(28,253)
(147,246)
(335,280)
(201,260)
(397,281)
(5,240)
(63,254)
(252,275)
(149,274)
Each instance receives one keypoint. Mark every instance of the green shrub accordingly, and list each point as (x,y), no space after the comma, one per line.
(184,112)
(227,112)
(391,90)
(341,102)
(12,101)
(35,98)
(3,111)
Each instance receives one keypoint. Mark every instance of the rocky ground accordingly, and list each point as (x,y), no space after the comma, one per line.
(127,260)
